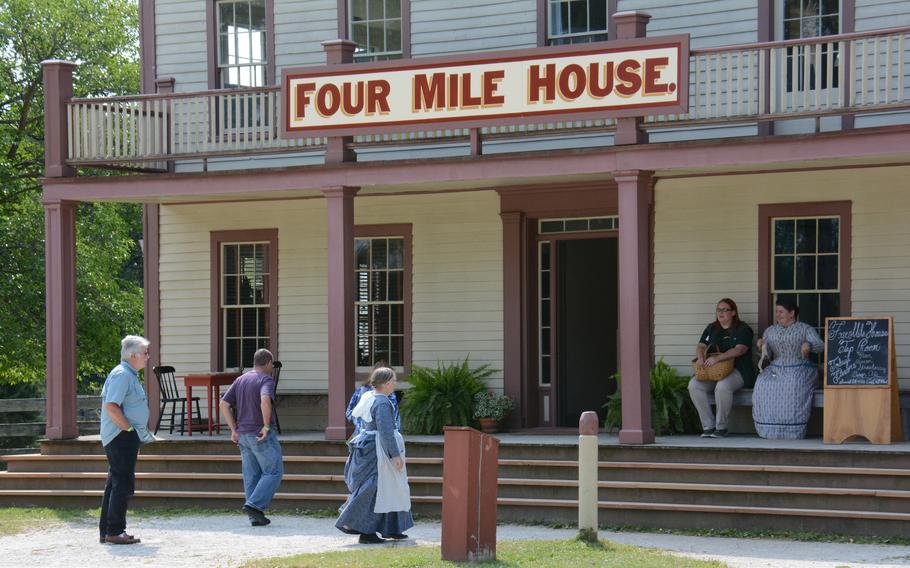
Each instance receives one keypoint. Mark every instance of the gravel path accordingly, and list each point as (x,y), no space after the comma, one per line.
(227,540)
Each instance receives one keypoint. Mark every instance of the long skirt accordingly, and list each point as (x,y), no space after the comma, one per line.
(361,476)
(782,401)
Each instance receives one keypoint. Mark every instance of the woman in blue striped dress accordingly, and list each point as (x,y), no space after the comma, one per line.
(782,399)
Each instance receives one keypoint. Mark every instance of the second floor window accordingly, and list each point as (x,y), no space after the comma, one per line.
(376,27)
(807,19)
(242,55)
(576,21)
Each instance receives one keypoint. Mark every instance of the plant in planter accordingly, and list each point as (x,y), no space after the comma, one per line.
(672,411)
(490,409)
(442,397)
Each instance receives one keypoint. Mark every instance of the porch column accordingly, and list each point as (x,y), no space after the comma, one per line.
(340,209)
(513,372)
(634,305)
(152,304)
(337,52)
(60,318)
(58,89)
(630,25)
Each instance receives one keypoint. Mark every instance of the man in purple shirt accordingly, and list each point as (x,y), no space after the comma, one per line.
(252,395)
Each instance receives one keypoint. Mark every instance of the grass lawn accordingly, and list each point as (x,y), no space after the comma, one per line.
(536,553)
(15,520)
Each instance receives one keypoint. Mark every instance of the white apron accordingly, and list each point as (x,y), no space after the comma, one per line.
(392,492)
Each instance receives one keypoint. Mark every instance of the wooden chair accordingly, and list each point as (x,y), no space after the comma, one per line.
(167,384)
(276,373)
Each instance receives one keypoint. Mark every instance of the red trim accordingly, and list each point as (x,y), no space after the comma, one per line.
(152,300)
(490,169)
(211,33)
(147,46)
(553,52)
(57,78)
(812,209)
(240,236)
(397,230)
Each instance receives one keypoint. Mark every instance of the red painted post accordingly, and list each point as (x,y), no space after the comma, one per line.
(340,209)
(470,473)
(58,89)
(151,304)
(60,318)
(337,52)
(630,25)
(513,306)
(634,305)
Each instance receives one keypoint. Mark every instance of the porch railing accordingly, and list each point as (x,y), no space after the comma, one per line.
(843,74)
(88,408)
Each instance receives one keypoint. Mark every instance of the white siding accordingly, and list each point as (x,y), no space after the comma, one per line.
(300,29)
(181,44)
(457,278)
(711,23)
(877,14)
(441,26)
(706,247)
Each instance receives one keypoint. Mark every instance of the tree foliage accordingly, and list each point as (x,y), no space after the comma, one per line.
(102,37)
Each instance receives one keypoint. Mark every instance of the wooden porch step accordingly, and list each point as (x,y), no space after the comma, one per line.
(502,502)
(508,481)
(757,468)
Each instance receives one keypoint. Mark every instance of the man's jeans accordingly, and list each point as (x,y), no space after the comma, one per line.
(121,481)
(262,468)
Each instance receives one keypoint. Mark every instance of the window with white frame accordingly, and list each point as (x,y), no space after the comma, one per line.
(245,302)
(375,25)
(379,281)
(806,266)
(576,21)
(807,19)
(242,54)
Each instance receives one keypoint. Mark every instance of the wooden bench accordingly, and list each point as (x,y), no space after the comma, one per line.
(743,398)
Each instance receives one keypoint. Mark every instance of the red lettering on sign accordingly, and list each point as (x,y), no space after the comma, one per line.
(595,89)
(629,82)
(467,99)
(429,93)
(328,99)
(377,96)
(302,99)
(570,89)
(652,74)
(547,83)
(348,106)
(491,81)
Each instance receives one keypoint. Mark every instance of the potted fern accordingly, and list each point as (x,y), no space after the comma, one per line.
(490,409)
(442,397)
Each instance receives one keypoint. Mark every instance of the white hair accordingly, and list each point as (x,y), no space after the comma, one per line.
(132,345)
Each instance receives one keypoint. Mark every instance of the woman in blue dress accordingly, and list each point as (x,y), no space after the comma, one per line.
(375,473)
(782,399)
(355,398)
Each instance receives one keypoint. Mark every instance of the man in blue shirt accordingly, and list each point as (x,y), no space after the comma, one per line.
(253,395)
(124,426)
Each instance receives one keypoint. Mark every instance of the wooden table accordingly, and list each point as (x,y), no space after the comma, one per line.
(213,381)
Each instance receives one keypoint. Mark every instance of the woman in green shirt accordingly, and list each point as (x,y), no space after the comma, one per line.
(726,338)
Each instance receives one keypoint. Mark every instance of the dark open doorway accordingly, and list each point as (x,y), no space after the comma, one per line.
(587,322)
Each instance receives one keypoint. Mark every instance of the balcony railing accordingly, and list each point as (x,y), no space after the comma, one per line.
(833,75)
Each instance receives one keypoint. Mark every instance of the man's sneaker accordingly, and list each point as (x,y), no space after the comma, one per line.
(709,433)
(257,517)
(719,433)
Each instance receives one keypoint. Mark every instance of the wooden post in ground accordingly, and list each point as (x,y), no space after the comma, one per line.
(470,473)
(587,476)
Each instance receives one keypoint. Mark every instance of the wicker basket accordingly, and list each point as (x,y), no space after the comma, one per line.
(715,372)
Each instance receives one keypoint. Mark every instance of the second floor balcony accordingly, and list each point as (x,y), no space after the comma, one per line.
(800,85)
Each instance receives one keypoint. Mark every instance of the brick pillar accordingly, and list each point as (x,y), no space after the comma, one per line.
(340,209)
(60,318)
(634,305)
(337,52)
(58,89)
(630,25)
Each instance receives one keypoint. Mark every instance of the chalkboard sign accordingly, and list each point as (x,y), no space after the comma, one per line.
(858,352)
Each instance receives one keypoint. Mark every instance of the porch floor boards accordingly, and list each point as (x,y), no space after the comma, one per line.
(680,482)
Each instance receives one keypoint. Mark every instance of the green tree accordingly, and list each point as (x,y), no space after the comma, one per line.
(100,35)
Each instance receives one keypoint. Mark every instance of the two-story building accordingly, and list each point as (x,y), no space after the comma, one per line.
(558,248)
